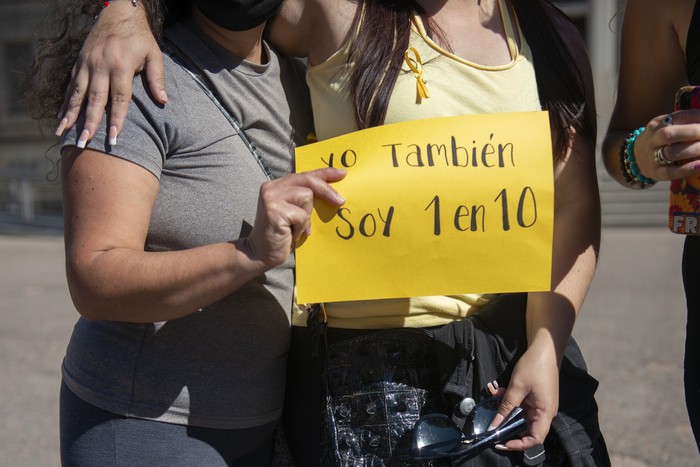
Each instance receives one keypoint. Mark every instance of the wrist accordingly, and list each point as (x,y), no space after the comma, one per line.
(628,163)
(106,3)
(256,264)
(549,353)
(115,4)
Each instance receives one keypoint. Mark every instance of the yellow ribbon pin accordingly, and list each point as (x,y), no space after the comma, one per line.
(415,64)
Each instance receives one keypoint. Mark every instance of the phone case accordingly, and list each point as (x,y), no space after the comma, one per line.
(684,206)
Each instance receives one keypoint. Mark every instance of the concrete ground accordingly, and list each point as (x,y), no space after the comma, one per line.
(631,331)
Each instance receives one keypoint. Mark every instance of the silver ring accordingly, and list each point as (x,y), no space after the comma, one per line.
(659,157)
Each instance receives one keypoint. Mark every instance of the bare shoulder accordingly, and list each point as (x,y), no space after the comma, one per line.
(653,41)
(657,9)
(680,13)
(312,28)
(336,19)
(675,14)
(290,30)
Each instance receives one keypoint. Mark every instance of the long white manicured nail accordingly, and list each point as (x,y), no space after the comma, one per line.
(61,126)
(82,141)
(113,135)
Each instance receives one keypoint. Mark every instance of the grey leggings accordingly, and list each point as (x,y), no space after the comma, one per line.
(94,437)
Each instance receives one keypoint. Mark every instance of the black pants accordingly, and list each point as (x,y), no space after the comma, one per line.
(691,377)
(91,436)
(575,434)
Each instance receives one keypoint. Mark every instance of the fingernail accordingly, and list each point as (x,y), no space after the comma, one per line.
(113,135)
(340,198)
(82,141)
(61,126)
(501,447)
(696,166)
(163,95)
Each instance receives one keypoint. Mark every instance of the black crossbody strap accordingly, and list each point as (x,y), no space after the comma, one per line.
(177,58)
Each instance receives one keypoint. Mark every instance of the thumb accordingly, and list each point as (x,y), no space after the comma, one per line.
(511,399)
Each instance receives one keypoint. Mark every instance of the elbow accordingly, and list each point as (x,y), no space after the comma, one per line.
(89,297)
(89,304)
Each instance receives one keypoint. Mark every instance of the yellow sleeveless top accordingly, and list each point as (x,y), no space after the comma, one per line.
(432,83)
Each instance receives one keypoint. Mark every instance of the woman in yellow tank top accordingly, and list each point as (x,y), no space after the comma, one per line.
(466,57)
(476,57)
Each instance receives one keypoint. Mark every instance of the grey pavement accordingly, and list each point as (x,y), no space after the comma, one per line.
(631,331)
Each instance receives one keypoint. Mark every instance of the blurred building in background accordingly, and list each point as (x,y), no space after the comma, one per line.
(29,184)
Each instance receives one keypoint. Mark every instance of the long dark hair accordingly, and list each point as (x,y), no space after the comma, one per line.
(61,37)
(560,82)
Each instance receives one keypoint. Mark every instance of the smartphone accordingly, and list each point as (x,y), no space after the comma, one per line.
(684,205)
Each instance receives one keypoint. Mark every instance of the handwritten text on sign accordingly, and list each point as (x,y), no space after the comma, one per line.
(443,206)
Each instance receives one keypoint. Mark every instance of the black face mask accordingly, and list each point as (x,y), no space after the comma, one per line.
(237,15)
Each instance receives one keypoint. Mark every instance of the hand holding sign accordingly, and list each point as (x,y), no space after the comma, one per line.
(434,207)
(284,208)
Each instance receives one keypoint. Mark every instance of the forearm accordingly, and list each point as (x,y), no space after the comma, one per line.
(576,241)
(125,284)
(551,315)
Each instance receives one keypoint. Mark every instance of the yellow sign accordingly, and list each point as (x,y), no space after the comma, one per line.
(442,206)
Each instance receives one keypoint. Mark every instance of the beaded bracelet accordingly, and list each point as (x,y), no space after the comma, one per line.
(628,163)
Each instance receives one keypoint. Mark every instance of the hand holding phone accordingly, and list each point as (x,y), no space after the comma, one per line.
(684,206)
